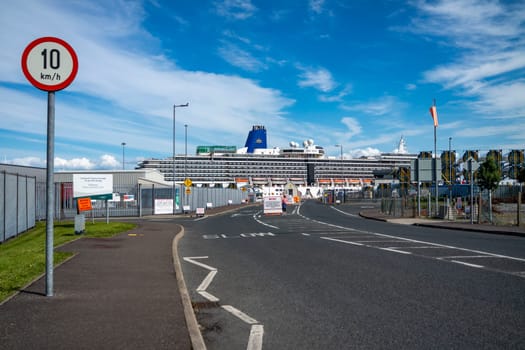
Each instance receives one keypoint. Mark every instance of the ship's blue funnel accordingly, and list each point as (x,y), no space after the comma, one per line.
(256,138)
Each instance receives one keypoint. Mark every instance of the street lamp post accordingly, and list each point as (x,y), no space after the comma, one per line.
(341,147)
(185,157)
(123,158)
(173,176)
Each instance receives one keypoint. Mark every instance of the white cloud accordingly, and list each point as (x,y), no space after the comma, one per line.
(354,128)
(235,9)
(124,90)
(318,78)
(243,59)
(337,97)
(316,6)
(109,162)
(75,163)
(490,38)
(27,161)
(364,152)
(382,106)
(470,23)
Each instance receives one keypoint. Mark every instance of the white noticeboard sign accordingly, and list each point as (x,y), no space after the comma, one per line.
(164,206)
(96,186)
(273,205)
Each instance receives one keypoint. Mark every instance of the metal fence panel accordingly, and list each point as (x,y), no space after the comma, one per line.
(10,205)
(21,204)
(31,202)
(17,204)
(2,211)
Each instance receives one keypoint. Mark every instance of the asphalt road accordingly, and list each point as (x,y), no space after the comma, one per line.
(321,277)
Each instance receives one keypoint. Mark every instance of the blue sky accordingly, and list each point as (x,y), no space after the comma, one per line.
(358,73)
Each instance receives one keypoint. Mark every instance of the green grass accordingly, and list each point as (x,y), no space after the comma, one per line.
(23,258)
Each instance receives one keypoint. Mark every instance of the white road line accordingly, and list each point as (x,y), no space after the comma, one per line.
(465,256)
(342,241)
(239,314)
(436,244)
(206,281)
(263,223)
(256,337)
(423,247)
(467,264)
(208,296)
(305,234)
(345,213)
(440,245)
(191,260)
(380,241)
(257,330)
(420,247)
(396,251)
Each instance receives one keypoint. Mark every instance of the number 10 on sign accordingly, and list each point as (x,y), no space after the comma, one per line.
(49,63)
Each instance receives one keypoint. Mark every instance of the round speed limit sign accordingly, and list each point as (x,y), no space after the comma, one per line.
(49,63)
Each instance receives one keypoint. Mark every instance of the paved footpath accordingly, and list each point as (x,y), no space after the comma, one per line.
(116,293)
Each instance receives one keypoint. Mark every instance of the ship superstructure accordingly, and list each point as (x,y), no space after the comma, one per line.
(256,165)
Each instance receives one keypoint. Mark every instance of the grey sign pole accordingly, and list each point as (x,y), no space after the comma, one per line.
(50,64)
(50,186)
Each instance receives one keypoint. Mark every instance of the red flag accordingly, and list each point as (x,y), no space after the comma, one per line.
(434,114)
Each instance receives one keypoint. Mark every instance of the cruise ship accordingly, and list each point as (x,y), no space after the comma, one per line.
(257,166)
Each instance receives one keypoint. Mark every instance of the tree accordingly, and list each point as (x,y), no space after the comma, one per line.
(521,174)
(489,175)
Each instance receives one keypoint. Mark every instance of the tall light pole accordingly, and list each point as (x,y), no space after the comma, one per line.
(449,175)
(341,147)
(123,158)
(185,158)
(173,178)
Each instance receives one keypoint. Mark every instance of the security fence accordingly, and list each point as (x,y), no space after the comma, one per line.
(507,207)
(142,200)
(17,204)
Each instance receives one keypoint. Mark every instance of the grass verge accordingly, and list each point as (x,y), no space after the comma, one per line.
(23,258)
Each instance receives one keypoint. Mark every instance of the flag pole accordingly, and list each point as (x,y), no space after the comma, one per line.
(435,162)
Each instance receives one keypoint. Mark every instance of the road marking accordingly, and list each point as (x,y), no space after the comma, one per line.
(342,241)
(467,264)
(464,256)
(305,234)
(206,281)
(396,251)
(257,234)
(208,296)
(345,213)
(239,314)
(380,241)
(191,260)
(428,245)
(256,337)
(255,217)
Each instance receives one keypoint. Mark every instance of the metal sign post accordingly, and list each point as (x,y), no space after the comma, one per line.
(50,64)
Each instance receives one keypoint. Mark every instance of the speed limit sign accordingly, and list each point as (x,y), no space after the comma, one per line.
(49,63)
